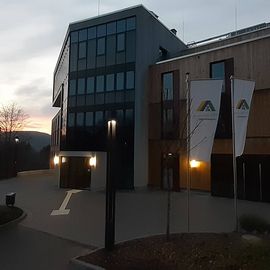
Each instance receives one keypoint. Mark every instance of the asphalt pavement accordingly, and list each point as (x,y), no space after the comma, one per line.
(138,213)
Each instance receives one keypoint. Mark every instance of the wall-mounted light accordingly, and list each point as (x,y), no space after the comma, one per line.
(194,163)
(93,161)
(111,128)
(63,159)
(56,160)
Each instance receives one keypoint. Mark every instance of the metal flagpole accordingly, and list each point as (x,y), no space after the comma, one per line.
(98,7)
(188,147)
(234,157)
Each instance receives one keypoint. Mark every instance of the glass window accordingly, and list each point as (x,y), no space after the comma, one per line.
(111,28)
(99,118)
(92,32)
(119,97)
(110,82)
(130,80)
(120,81)
(91,54)
(72,101)
(89,119)
(120,116)
(168,116)
(72,87)
(99,99)
(82,50)
(71,119)
(81,86)
(218,72)
(80,119)
(121,26)
(131,23)
(83,35)
(81,100)
(110,97)
(101,46)
(74,37)
(167,90)
(90,99)
(73,56)
(129,116)
(129,96)
(130,46)
(90,85)
(101,30)
(82,64)
(121,42)
(100,83)
(110,50)
(101,61)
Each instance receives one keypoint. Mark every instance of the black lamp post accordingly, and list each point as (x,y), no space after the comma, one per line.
(17,140)
(110,190)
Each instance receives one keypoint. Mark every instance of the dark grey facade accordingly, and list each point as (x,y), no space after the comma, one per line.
(102,72)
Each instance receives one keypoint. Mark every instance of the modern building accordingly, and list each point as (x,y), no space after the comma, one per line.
(128,66)
(102,73)
(244,54)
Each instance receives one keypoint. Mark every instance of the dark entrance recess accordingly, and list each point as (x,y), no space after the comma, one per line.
(170,167)
(75,172)
(253,177)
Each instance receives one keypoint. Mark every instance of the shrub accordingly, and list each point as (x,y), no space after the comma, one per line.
(252,223)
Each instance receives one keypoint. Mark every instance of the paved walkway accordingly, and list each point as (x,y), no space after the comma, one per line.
(138,213)
(23,248)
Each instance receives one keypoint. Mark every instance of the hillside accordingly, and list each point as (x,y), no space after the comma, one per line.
(37,139)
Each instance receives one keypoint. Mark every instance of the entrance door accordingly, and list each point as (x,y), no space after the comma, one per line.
(75,172)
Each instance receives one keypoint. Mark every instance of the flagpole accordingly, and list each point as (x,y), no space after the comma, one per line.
(188,148)
(234,157)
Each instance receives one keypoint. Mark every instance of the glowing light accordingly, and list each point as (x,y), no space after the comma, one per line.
(56,160)
(63,159)
(93,161)
(111,123)
(111,128)
(194,163)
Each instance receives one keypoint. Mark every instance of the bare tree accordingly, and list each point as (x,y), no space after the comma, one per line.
(12,119)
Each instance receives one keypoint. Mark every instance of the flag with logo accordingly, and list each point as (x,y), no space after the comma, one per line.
(204,111)
(243,91)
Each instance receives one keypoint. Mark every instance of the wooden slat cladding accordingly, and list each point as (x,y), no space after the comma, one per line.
(249,60)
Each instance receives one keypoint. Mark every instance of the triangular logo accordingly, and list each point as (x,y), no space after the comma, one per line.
(242,105)
(206,106)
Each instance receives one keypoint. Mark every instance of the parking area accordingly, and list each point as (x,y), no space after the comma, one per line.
(138,213)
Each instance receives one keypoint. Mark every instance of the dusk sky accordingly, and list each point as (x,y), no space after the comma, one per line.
(32,32)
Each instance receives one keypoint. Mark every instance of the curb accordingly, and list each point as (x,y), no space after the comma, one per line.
(81,265)
(14,221)
(35,172)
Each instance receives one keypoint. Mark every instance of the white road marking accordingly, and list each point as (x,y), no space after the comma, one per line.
(62,210)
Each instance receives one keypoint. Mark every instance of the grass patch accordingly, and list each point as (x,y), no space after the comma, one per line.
(252,223)
(9,213)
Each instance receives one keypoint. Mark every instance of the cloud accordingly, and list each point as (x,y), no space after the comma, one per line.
(32,33)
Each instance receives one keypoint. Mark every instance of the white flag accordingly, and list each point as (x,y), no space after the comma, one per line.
(204,111)
(243,91)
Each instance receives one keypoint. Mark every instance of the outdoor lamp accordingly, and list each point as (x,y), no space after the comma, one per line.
(93,161)
(194,163)
(56,160)
(111,127)
(16,139)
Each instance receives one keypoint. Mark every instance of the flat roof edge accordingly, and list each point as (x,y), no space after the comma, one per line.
(213,49)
